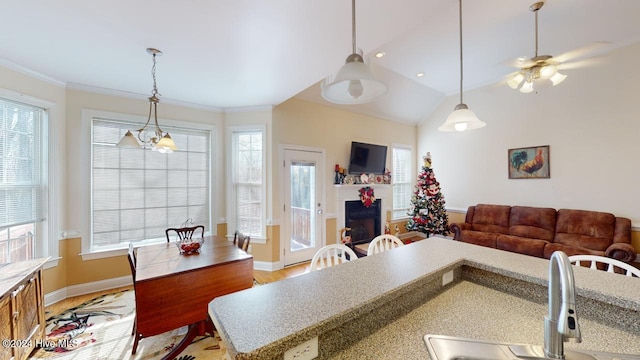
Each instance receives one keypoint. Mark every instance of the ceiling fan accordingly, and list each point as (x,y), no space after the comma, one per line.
(538,69)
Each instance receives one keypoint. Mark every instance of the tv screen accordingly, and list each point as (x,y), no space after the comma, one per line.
(367,158)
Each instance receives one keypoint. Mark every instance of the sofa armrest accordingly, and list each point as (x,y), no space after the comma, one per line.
(620,251)
(622,230)
(456,229)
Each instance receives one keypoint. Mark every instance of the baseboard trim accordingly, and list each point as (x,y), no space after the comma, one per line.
(87,288)
(266,266)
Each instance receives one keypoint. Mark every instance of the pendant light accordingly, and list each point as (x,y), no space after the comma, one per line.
(461,118)
(161,142)
(354,83)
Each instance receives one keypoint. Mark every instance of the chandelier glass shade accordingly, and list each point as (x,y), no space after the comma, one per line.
(540,70)
(354,83)
(461,119)
(159,140)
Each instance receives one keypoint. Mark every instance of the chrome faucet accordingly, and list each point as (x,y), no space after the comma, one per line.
(562,321)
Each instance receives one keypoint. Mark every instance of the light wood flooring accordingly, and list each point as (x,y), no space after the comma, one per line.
(263,277)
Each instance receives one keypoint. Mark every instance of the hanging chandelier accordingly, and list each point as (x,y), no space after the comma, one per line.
(354,83)
(461,118)
(540,69)
(159,140)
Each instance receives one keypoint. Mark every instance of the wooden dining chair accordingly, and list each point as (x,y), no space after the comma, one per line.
(331,255)
(383,243)
(131,255)
(185,233)
(241,241)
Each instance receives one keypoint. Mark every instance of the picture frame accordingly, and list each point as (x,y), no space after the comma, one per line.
(531,162)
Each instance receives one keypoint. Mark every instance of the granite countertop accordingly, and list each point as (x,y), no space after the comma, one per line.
(278,316)
(12,274)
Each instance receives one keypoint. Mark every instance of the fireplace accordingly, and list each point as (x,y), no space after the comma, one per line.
(365,222)
(346,194)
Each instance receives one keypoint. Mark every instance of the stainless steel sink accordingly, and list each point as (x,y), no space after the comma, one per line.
(442,347)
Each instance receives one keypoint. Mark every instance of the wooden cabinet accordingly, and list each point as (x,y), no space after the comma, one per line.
(22,305)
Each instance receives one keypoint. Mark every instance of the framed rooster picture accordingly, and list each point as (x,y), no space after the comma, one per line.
(529,163)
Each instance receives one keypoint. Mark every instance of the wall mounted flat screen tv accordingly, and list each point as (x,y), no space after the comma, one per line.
(367,158)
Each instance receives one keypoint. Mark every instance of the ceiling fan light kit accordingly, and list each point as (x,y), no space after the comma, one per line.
(540,69)
(354,83)
(461,119)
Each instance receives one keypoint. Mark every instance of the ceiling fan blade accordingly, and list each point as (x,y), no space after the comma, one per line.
(592,49)
(519,64)
(581,64)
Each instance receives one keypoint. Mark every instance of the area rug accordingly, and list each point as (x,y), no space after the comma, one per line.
(101,329)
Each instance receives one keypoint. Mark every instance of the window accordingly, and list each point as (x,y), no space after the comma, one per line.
(23,185)
(402,184)
(247,189)
(138,193)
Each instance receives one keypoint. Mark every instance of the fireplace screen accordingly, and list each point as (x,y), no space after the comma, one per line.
(363,221)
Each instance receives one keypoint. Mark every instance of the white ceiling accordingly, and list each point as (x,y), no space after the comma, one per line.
(243,53)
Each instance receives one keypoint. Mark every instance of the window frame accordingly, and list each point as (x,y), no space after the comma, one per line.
(395,209)
(138,121)
(47,231)
(231,180)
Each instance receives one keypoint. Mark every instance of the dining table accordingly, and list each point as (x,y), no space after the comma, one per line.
(173,290)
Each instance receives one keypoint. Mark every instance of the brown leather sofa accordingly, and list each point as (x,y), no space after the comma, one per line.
(539,231)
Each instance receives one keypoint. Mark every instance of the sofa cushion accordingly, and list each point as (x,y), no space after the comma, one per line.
(522,245)
(479,238)
(491,218)
(533,222)
(569,250)
(585,229)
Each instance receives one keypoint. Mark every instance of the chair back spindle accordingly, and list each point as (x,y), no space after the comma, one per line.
(383,243)
(332,255)
(612,265)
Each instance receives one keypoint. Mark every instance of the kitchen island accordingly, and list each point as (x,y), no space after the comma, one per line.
(347,306)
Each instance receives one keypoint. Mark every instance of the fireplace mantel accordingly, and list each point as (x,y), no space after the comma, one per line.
(382,192)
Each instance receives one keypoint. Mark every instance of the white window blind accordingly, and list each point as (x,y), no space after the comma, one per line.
(138,193)
(22,178)
(248,185)
(402,185)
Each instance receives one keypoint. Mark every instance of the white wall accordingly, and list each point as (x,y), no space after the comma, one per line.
(591,122)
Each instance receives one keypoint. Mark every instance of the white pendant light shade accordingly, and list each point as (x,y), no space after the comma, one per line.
(527,87)
(129,141)
(353,84)
(557,78)
(166,145)
(462,119)
(515,81)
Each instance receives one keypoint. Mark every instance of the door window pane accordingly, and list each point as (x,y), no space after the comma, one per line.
(303,216)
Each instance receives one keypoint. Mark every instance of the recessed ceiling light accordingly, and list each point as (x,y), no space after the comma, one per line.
(420,74)
(522,58)
(380,54)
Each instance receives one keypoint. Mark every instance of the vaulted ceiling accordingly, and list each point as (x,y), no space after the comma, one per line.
(248,53)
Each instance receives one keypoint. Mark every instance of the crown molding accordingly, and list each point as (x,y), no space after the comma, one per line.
(32,73)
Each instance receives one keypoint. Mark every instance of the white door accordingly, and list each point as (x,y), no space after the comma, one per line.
(303,207)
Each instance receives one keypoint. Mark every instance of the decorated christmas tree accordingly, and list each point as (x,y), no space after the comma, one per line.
(427,211)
